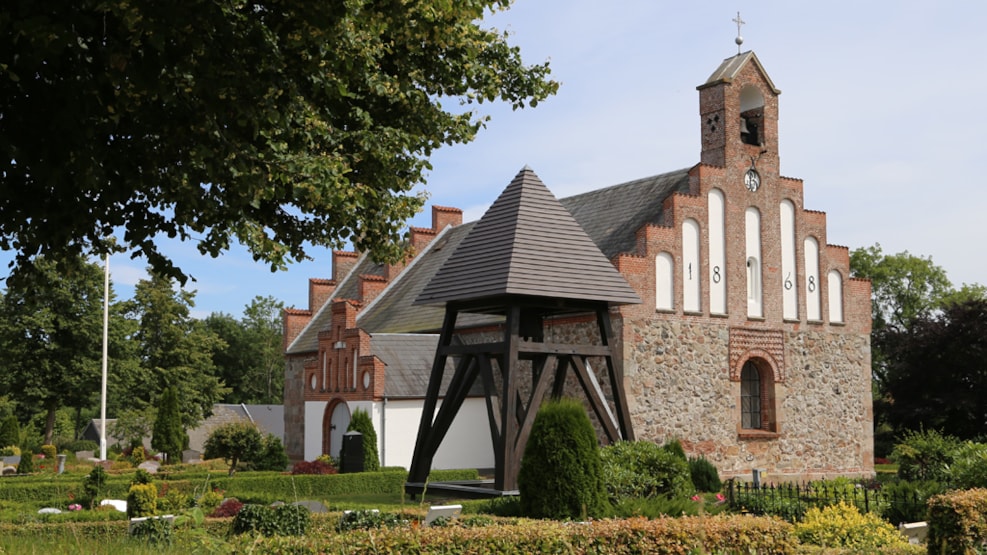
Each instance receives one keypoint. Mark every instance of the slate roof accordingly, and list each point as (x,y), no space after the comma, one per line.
(730,67)
(409,364)
(527,244)
(392,310)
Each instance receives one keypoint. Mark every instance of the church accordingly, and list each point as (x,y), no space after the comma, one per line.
(750,343)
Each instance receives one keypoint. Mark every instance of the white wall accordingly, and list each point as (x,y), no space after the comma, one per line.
(466,445)
(314,410)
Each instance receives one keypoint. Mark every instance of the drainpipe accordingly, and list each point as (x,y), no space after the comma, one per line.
(383,433)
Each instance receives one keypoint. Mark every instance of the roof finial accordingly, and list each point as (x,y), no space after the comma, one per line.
(739,40)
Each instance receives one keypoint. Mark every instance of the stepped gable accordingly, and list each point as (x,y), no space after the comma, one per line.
(612,216)
(527,244)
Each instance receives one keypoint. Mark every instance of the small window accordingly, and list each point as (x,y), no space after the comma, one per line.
(750,397)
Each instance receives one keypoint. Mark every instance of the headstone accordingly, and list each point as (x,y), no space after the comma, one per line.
(12,460)
(191,456)
(61,463)
(49,511)
(150,466)
(449,512)
(312,506)
(84,455)
(118,504)
(916,532)
(351,453)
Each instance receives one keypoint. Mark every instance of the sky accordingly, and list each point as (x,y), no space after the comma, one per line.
(881,116)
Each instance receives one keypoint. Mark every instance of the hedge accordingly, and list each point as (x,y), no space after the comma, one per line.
(958,522)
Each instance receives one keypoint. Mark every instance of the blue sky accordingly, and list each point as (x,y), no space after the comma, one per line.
(881,115)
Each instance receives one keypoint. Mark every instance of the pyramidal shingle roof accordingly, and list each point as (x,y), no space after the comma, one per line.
(527,244)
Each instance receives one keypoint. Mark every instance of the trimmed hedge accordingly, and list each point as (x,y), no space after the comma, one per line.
(957,522)
(733,534)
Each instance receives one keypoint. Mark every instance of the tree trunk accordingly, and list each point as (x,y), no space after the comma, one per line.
(50,424)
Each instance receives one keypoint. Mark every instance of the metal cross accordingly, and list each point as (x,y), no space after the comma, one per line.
(739,40)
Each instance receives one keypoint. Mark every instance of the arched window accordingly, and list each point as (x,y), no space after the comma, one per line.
(691,290)
(789,269)
(751,116)
(753,243)
(717,253)
(835,283)
(750,397)
(664,282)
(813,310)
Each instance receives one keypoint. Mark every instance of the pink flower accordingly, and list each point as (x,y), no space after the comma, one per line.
(75,507)
(720,498)
(696,498)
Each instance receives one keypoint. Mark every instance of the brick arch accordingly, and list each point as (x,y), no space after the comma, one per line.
(762,359)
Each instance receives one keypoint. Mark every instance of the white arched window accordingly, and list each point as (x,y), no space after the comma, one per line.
(717,253)
(664,282)
(691,265)
(835,285)
(753,242)
(813,310)
(789,267)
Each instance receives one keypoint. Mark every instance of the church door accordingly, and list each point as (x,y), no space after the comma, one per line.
(338,422)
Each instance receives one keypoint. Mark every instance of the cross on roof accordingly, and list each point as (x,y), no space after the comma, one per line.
(739,40)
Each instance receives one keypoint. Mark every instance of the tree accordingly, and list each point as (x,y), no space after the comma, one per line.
(50,332)
(132,426)
(175,350)
(360,422)
(273,123)
(168,435)
(10,432)
(234,442)
(937,373)
(561,473)
(252,363)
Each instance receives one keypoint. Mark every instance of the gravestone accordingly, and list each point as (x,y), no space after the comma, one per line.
(191,456)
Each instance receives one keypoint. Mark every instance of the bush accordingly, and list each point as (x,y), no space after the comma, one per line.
(229,507)
(75,445)
(842,525)
(704,475)
(561,475)
(675,447)
(142,500)
(233,442)
(10,432)
(360,422)
(49,451)
(209,501)
(925,455)
(313,467)
(367,519)
(958,522)
(272,455)
(168,434)
(643,469)
(154,531)
(26,466)
(142,477)
(138,455)
(283,520)
(10,451)
(906,501)
(94,485)
(969,468)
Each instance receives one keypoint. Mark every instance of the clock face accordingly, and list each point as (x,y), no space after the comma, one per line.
(752,180)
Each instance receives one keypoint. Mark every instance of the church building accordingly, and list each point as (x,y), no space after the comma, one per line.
(751,343)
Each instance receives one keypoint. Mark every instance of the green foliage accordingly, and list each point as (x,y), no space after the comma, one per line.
(79,445)
(209,500)
(233,442)
(283,520)
(561,475)
(367,519)
(168,435)
(925,455)
(142,500)
(49,451)
(142,477)
(675,447)
(26,466)
(704,475)
(93,486)
(842,525)
(252,364)
(229,126)
(133,425)
(958,522)
(272,455)
(10,450)
(10,431)
(969,469)
(360,422)
(908,500)
(153,531)
(644,469)
(137,455)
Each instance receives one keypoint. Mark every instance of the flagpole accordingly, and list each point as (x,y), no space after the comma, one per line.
(106,331)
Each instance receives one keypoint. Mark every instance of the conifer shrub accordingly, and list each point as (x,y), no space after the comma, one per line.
(94,486)
(644,469)
(137,455)
(271,456)
(561,476)
(168,434)
(10,432)
(360,422)
(49,451)
(704,475)
(142,500)
(675,447)
(26,466)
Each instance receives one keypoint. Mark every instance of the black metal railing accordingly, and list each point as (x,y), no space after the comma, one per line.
(791,500)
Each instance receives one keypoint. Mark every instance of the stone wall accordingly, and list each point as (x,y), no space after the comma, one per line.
(678,381)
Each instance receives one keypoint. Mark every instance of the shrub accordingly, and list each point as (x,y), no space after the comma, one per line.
(360,422)
(561,475)
(174,501)
(233,442)
(704,475)
(10,431)
(969,468)
(925,455)
(142,477)
(272,455)
(168,436)
(79,445)
(842,525)
(49,451)
(643,469)
(284,520)
(154,531)
(229,507)
(142,500)
(209,501)
(906,501)
(675,447)
(9,451)
(26,466)
(313,467)
(137,455)
(367,519)
(958,522)
(94,485)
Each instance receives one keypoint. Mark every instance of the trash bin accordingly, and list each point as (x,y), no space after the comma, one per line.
(351,453)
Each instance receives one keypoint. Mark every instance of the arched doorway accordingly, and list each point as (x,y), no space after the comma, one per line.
(334,424)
